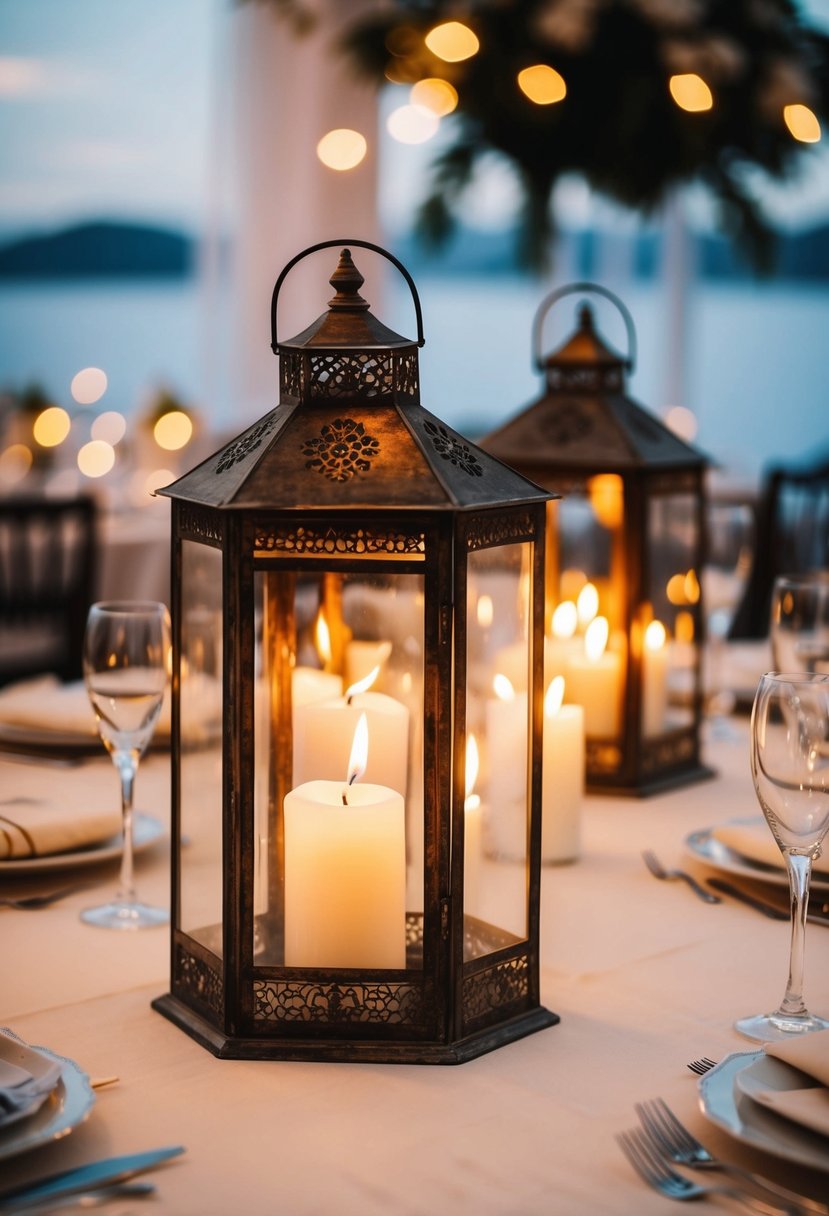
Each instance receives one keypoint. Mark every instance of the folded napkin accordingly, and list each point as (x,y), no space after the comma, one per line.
(809,1107)
(22,1092)
(752,839)
(37,828)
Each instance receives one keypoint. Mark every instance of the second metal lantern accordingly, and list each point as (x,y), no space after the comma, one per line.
(335,890)
(624,550)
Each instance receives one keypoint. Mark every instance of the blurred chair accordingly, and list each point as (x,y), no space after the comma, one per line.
(792,537)
(48,554)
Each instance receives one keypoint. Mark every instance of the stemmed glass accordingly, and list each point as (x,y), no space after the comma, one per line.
(730,543)
(799,626)
(790,768)
(125,670)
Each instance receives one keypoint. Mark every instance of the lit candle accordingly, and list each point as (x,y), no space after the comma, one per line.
(563,644)
(363,657)
(654,680)
(323,731)
(562,783)
(594,680)
(345,871)
(472,837)
(506,741)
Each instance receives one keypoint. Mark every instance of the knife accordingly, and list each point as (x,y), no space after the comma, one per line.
(768,904)
(84,1178)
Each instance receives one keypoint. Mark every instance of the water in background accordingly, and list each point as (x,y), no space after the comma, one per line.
(756,368)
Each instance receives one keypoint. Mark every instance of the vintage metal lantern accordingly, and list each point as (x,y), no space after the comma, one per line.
(624,549)
(339,888)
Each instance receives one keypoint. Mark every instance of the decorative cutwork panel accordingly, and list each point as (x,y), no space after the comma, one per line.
(297,1001)
(242,447)
(602,757)
(668,752)
(201,524)
(306,541)
(407,375)
(499,530)
(585,379)
(342,375)
(198,983)
(450,448)
(290,375)
(569,423)
(495,987)
(341,450)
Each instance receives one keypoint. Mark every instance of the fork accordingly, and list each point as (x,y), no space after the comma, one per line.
(43,900)
(655,1171)
(702,1066)
(672,1140)
(658,870)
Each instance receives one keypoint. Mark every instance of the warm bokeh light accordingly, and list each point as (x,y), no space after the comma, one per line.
(542,84)
(342,149)
(322,639)
(692,587)
(690,92)
(683,422)
(565,619)
(51,427)
(802,123)
(434,94)
(503,688)
(675,589)
(571,583)
(155,480)
(684,627)
(587,605)
(452,41)
(412,124)
(88,385)
(472,765)
(595,638)
(655,636)
(606,499)
(554,696)
(173,430)
(109,426)
(15,463)
(96,458)
(485,610)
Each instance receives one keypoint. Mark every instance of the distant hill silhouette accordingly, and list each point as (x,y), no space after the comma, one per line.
(100,249)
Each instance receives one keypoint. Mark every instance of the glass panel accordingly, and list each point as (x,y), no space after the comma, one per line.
(668,625)
(339,875)
(496,812)
(201,744)
(586,575)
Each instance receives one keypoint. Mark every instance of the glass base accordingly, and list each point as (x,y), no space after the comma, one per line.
(118,915)
(776,1027)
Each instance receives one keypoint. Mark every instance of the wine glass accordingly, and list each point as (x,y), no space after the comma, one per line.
(800,622)
(125,670)
(730,543)
(790,769)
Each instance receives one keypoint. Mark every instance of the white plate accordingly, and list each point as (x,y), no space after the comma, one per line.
(146,831)
(704,846)
(68,1104)
(723,1102)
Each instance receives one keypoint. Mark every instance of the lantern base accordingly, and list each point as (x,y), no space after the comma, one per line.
(659,783)
(230,1047)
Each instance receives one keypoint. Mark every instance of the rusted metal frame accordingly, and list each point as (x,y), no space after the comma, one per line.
(700,555)
(534,785)
(458,770)
(637,552)
(279,645)
(175,726)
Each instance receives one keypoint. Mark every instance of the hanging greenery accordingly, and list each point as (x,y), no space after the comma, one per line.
(618,123)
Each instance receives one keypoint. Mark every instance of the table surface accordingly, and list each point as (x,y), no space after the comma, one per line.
(644,976)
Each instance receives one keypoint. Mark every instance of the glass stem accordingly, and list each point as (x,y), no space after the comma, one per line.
(127,766)
(800,871)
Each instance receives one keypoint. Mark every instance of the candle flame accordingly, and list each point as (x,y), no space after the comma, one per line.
(595,638)
(322,639)
(554,696)
(362,685)
(485,610)
(655,635)
(472,764)
(587,604)
(503,688)
(565,619)
(359,752)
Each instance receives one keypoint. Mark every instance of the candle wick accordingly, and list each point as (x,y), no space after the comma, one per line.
(348,700)
(345,799)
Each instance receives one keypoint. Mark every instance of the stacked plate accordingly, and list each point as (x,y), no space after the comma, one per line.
(745,848)
(42,1096)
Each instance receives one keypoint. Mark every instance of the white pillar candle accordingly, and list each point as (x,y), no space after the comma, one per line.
(654,680)
(562,777)
(310,684)
(324,730)
(345,876)
(362,657)
(472,834)
(594,681)
(506,749)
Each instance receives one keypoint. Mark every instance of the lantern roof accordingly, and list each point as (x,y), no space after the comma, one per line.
(345,438)
(586,345)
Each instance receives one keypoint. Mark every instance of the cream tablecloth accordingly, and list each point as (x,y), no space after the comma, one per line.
(644,976)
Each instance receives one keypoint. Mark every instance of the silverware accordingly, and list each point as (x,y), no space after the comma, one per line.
(655,1171)
(774,904)
(93,1199)
(658,870)
(42,900)
(702,1066)
(671,1139)
(85,1178)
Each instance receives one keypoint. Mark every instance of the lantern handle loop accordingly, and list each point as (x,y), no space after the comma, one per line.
(573,289)
(345,243)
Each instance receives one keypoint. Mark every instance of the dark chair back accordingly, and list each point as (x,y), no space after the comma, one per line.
(792,538)
(47,576)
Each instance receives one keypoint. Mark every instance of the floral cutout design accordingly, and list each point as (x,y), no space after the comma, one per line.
(451,449)
(240,448)
(342,450)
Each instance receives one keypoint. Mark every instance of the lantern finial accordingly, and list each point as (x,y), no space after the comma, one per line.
(347,281)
